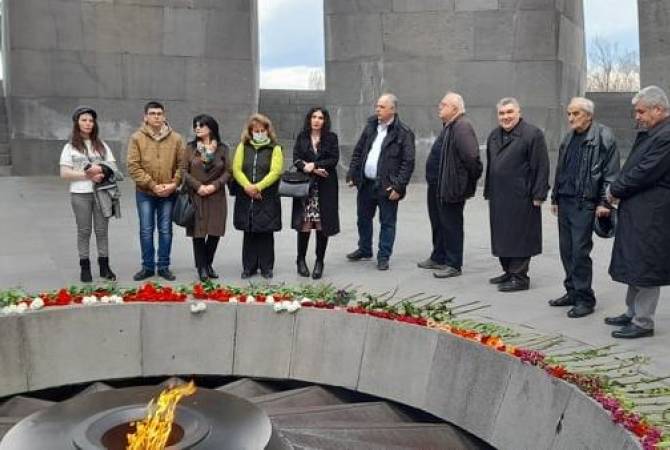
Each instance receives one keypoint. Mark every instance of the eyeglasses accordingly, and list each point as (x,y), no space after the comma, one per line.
(199,125)
(155,113)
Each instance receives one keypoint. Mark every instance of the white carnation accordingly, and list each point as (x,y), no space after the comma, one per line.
(37,303)
(305,300)
(278,307)
(21,307)
(251,299)
(269,299)
(197,307)
(293,306)
(233,300)
(89,300)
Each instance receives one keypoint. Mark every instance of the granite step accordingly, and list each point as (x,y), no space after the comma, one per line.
(247,388)
(368,413)
(21,406)
(293,398)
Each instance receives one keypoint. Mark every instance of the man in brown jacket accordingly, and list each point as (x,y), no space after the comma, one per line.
(154,154)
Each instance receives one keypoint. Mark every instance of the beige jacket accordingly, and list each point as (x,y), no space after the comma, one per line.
(155,159)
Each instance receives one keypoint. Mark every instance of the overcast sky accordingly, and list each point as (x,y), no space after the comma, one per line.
(291,35)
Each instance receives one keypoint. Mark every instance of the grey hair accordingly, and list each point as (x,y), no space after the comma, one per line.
(652,96)
(458,99)
(508,101)
(584,104)
(392,98)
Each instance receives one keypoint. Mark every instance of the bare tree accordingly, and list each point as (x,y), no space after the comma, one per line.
(316,80)
(610,69)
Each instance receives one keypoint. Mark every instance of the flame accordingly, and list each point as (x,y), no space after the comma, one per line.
(153,431)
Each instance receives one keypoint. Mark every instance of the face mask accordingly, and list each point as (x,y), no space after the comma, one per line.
(260,136)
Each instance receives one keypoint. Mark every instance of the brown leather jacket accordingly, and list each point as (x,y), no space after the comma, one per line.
(155,159)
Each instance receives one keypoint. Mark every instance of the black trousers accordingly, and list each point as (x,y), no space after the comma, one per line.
(517,267)
(321,244)
(204,250)
(575,238)
(258,252)
(439,251)
(451,221)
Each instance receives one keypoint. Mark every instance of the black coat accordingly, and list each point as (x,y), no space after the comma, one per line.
(396,161)
(516,174)
(641,252)
(326,158)
(460,165)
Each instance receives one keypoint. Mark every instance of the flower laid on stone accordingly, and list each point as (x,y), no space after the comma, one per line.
(198,307)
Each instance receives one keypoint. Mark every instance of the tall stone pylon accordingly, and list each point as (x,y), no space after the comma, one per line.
(654,22)
(533,50)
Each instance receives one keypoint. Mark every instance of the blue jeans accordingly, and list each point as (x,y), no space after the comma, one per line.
(369,199)
(154,211)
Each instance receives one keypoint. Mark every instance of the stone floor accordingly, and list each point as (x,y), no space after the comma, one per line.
(38,251)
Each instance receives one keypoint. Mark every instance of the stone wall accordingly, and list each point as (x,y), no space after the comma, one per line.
(492,395)
(614,109)
(192,55)
(484,49)
(654,23)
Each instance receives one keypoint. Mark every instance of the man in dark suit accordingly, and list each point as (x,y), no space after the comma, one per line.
(381,166)
(517,173)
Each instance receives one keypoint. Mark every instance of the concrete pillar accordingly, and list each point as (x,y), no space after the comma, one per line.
(654,22)
(484,49)
(115,56)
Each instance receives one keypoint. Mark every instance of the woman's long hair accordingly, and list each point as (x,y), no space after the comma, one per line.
(209,122)
(263,120)
(77,140)
(307,126)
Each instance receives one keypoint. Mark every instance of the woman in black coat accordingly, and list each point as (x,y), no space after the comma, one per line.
(316,152)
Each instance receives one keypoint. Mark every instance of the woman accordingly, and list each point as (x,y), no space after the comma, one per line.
(257,167)
(316,152)
(206,171)
(86,161)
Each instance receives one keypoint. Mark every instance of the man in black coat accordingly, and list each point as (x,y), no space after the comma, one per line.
(459,169)
(381,166)
(517,173)
(588,162)
(641,252)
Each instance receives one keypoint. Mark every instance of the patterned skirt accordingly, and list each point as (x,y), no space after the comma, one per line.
(311,218)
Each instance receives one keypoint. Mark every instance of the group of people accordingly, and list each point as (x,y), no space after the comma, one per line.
(589,188)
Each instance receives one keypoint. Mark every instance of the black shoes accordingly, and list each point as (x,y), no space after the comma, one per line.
(210,272)
(619,321)
(303,270)
(562,301)
(383,264)
(357,255)
(143,274)
(580,310)
(267,274)
(105,270)
(430,264)
(514,284)
(318,270)
(203,274)
(632,331)
(448,272)
(246,274)
(85,275)
(166,274)
(500,278)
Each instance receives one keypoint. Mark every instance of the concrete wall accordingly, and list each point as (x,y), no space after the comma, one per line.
(193,55)
(492,395)
(484,49)
(614,109)
(654,22)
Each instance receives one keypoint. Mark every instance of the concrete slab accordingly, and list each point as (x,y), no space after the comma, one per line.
(13,365)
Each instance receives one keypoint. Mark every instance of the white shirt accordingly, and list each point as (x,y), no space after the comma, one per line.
(73,158)
(371,162)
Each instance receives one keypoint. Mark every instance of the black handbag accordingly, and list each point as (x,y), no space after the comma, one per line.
(294,184)
(183,213)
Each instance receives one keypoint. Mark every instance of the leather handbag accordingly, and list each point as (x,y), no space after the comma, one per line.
(294,184)
(183,213)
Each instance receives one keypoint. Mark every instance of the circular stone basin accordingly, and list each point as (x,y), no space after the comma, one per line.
(207,420)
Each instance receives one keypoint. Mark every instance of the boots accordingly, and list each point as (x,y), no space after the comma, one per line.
(318,269)
(105,271)
(303,271)
(85,275)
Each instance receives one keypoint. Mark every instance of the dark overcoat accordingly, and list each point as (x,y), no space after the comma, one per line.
(641,252)
(327,158)
(211,211)
(517,172)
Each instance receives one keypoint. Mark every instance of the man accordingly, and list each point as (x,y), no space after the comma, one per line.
(458,171)
(588,161)
(381,166)
(517,173)
(154,156)
(641,252)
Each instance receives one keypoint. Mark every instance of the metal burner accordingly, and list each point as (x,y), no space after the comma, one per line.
(206,420)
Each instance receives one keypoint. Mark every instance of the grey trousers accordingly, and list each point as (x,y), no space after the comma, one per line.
(89,217)
(641,303)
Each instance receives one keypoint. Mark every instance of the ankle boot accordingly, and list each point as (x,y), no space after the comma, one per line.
(303,271)
(85,275)
(105,270)
(203,274)
(318,270)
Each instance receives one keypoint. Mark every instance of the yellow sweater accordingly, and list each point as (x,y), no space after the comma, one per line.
(276,166)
